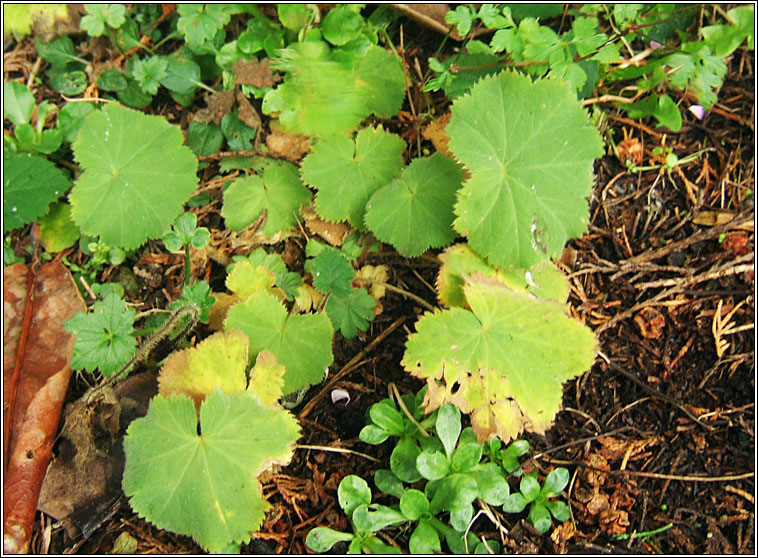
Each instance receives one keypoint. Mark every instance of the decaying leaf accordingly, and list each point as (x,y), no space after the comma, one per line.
(504,361)
(218,104)
(254,72)
(435,132)
(82,484)
(247,113)
(36,372)
(334,233)
(290,146)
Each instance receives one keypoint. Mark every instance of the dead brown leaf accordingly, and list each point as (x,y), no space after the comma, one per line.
(650,322)
(334,233)
(290,146)
(36,372)
(254,72)
(219,104)
(435,132)
(247,113)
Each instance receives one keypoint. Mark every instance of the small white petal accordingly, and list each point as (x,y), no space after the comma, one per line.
(698,111)
(340,394)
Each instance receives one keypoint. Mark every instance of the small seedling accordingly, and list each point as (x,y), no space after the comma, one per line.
(540,499)
(185,233)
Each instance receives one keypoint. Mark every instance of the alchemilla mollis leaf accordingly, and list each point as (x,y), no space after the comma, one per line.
(279,192)
(529,148)
(347,173)
(137,175)
(302,343)
(504,361)
(205,484)
(415,212)
(30,184)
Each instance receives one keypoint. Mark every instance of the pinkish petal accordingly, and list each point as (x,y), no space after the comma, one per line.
(698,111)
(340,395)
(655,45)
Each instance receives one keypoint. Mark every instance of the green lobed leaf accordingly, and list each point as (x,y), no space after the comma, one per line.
(182,76)
(379,73)
(352,312)
(346,173)
(103,336)
(544,280)
(530,160)
(302,343)
(332,272)
(100,15)
(415,212)
(149,73)
(504,361)
(71,117)
(204,485)
(200,22)
(137,175)
(198,294)
(342,24)
(286,280)
(279,192)
(30,184)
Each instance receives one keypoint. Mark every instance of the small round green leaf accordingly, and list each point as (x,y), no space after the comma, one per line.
(448,427)
(372,434)
(386,416)
(321,539)
(18,102)
(493,488)
(556,480)
(424,540)
(466,457)
(403,460)
(433,465)
(376,517)
(386,481)
(559,510)
(353,491)
(413,504)
(515,503)
(529,487)
(454,492)
(137,174)
(539,516)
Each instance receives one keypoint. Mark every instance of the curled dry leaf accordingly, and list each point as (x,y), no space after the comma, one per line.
(36,372)
(650,322)
(334,233)
(435,132)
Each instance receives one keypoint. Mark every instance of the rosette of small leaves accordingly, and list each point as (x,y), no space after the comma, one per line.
(199,295)
(508,457)
(541,499)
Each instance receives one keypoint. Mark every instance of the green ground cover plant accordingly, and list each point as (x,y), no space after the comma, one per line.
(498,207)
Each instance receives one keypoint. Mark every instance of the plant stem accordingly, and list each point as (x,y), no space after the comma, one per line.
(398,290)
(187,265)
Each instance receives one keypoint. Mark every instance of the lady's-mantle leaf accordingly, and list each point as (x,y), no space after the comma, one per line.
(30,183)
(504,361)
(279,192)
(529,148)
(351,312)
(218,362)
(137,174)
(415,212)
(543,280)
(347,173)
(204,485)
(302,343)
(331,272)
(103,337)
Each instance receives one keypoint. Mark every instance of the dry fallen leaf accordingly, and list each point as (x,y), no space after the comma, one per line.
(334,233)
(219,104)
(435,132)
(254,72)
(650,322)
(290,146)
(36,372)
